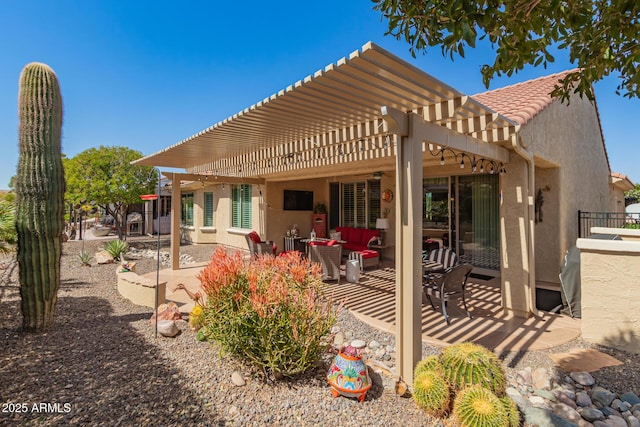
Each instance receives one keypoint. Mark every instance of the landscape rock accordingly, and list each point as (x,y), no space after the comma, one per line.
(632,421)
(168,328)
(566,412)
(631,398)
(358,344)
(237,379)
(168,311)
(103,257)
(614,421)
(591,414)
(602,396)
(583,378)
(583,399)
(544,418)
(541,379)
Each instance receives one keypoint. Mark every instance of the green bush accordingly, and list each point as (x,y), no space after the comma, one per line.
(116,248)
(269,311)
(8,234)
(476,406)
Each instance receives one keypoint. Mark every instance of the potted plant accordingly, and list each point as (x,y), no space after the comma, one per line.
(320,208)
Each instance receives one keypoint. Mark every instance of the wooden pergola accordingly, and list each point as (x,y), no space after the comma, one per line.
(364,111)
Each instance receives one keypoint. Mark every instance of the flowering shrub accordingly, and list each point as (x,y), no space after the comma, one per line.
(269,311)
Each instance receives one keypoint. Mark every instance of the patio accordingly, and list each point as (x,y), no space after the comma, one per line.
(372,301)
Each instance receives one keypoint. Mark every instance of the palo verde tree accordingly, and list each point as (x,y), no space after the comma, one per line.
(105,175)
(601,36)
(39,194)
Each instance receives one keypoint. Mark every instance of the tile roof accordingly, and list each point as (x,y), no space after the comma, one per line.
(522,101)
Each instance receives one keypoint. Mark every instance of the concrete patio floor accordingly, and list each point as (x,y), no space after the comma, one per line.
(372,301)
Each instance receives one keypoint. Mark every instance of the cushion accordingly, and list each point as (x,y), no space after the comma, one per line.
(366,236)
(354,247)
(355,235)
(344,232)
(369,254)
(335,235)
(318,243)
(255,238)
(332,242)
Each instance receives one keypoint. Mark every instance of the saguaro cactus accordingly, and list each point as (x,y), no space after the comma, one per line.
(39,194)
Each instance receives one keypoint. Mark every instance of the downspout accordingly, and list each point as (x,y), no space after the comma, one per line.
(520,149)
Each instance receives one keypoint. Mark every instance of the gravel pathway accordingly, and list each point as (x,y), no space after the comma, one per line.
(101,365)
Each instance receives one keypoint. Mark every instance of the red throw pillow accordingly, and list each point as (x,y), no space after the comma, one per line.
(254,237)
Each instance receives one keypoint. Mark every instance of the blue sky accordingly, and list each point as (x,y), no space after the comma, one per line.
(147,74)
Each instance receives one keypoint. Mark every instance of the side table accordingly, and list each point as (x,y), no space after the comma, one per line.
(380,249)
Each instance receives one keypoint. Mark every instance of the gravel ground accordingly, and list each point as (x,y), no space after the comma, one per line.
(101,365)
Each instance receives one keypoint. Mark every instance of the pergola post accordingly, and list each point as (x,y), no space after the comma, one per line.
(175,221)
(408,240)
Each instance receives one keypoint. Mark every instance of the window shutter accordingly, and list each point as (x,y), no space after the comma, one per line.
(235,206)
(348,207)
(361,204)
(246,206)
(208,209)
(374,202)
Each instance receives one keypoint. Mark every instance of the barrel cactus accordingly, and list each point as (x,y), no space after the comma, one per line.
(467,364)
(431,393)
(513,414)
(40,190)
(476,406)
(429,363)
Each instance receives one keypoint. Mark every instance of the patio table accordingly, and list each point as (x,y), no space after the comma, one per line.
(306,241)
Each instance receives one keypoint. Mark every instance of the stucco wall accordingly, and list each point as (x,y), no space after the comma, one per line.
(567,136)
(518,294)
(222,232)
(609,271)
(280,220)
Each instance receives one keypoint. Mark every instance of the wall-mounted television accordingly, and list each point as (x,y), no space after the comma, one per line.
(296,200)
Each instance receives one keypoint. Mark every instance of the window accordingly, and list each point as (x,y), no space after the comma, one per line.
(208,209)
(373,200)
(186,200)
(360,204)
(241,206)
(165,206)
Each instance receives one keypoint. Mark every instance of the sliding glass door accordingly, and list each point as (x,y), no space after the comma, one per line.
(462,212)
(478,219)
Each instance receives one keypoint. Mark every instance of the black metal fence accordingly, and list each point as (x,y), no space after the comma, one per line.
(586,220)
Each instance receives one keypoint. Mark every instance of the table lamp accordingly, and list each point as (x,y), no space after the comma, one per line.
(382,224)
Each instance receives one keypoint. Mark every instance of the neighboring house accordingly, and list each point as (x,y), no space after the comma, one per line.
(354,132)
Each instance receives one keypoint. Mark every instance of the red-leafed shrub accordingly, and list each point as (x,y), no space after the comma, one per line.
(269,311)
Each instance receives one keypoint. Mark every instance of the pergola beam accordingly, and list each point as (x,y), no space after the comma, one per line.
(213,179)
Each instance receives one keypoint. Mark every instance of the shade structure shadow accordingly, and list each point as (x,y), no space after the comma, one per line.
(372,300)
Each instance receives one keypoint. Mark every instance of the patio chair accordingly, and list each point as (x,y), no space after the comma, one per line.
(448,286)
(444,256)
(329,258)
(257,246)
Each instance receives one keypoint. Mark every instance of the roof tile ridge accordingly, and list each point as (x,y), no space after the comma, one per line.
(526,82)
